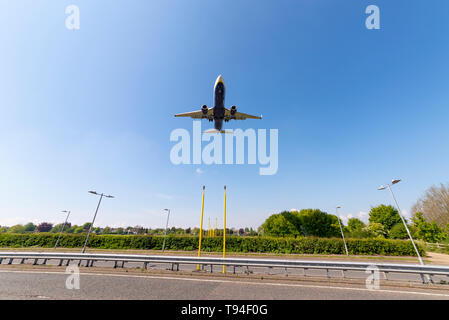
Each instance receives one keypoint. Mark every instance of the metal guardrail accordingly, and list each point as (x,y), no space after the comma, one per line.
(175,261)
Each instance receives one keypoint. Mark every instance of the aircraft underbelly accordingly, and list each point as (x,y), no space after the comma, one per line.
(218,124)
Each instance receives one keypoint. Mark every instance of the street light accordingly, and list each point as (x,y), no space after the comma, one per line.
(60,233)
(394,181)
(166,226)
(95,215)
(341,229)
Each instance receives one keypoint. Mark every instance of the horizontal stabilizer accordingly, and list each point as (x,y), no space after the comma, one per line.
(216,131)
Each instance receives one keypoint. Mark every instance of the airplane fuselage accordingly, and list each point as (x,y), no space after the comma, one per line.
(219,108)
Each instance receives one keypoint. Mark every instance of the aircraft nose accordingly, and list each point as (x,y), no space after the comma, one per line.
(219,79)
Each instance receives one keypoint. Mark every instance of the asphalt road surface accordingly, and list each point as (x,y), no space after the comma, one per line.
(31,284)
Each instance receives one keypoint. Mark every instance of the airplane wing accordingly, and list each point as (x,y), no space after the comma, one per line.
(239,115)
(197,114)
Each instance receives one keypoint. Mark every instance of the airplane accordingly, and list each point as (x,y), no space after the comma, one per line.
(218,113)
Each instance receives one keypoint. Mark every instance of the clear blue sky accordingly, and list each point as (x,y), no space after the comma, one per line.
(93,108)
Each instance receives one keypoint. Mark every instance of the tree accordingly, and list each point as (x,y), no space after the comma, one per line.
(252,232)
(358,229)
(387,216)
(429,232)
(279,225)
(86,226)
(376,229)
(56,229)
(44,227)
(307,222)
(59,227)
(314,222)
(106,230)
(434,205)
(30,227)
(398,232)
(71,229)
(18,228)
(355,224)
(79,230)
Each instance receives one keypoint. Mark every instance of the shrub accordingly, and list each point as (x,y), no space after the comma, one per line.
(398,232)
(301,245)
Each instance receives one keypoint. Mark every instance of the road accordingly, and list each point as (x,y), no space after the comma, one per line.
(41,284)
(239,270)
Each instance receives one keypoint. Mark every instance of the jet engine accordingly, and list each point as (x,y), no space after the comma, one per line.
(233,110)
(204,109)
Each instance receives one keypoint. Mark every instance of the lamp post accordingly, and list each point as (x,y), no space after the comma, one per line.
(166,226)
(402,218)
(224,230)
(60,233)
(201,228)
(95,215)
(341,229)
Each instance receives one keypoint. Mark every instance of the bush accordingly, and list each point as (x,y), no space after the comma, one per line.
(398,232)
(302,245)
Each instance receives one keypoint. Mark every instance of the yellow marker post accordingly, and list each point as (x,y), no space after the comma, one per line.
(215,230)
(201,229)
(224,230)
(208,228)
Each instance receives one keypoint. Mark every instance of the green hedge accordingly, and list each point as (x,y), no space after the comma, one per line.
(304,245)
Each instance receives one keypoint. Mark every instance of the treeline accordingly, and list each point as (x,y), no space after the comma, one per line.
(136,230)
(384,223)
(299,245)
